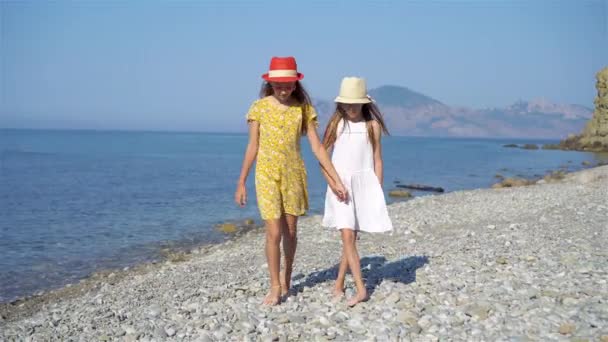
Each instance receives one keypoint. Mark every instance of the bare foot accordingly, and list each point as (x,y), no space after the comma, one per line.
(361,296)
(273,297)
(337,295)
(338,292)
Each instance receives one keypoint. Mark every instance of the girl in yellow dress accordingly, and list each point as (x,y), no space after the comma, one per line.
(276,122)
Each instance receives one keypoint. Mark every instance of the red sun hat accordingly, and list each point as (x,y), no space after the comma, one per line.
(283,69)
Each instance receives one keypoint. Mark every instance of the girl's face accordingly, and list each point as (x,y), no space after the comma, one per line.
(283,90)
(352,110)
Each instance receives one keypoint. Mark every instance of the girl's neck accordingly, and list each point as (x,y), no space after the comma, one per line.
(286,103)
(358,118)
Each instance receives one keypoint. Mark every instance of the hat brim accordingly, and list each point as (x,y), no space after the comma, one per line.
(283,79)
(341,99)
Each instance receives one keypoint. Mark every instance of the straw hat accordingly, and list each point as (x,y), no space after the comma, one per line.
(283,69)
(353,90)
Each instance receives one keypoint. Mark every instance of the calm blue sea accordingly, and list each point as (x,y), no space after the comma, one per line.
(73,202)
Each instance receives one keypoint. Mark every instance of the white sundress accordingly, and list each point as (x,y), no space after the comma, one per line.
(353,159)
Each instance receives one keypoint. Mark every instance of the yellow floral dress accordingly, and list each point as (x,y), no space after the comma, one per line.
(280,175)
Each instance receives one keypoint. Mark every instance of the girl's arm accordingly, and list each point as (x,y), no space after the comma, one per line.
(240,196)
(378,165)
(328,178)
(326,165)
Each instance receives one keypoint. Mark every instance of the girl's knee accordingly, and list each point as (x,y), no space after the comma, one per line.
(273,236)
(290,232)
(348,235)
(273,231)
(290,226)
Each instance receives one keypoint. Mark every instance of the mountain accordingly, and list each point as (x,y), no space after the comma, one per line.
(410,113)
(542,105)
(401,97)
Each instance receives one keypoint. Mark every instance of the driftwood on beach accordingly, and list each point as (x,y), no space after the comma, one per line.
(420,187)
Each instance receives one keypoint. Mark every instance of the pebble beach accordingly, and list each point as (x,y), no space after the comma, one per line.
(514,264)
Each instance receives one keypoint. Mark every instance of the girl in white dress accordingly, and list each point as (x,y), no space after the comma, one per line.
(354,132)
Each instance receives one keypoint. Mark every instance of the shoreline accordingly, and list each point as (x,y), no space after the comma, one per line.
(406,259)
(21,282)
(182,252)
(24,305)
(163,253)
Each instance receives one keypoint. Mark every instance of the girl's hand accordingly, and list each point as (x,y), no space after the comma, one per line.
(240,196)
(340,191)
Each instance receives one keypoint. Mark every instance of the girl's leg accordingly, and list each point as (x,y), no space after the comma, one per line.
(289,230)
(350,250)
(339,286)
(273,257)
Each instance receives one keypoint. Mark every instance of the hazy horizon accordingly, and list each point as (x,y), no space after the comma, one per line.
(196,66)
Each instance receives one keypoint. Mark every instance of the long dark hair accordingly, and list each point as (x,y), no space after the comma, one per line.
(370,113)
(301,97)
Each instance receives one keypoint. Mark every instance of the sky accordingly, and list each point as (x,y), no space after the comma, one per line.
(196,65)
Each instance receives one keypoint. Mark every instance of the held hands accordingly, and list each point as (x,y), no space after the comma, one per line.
(240,196)
(339,190)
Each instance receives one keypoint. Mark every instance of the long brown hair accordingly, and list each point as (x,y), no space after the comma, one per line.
(370,113)
(301,97)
